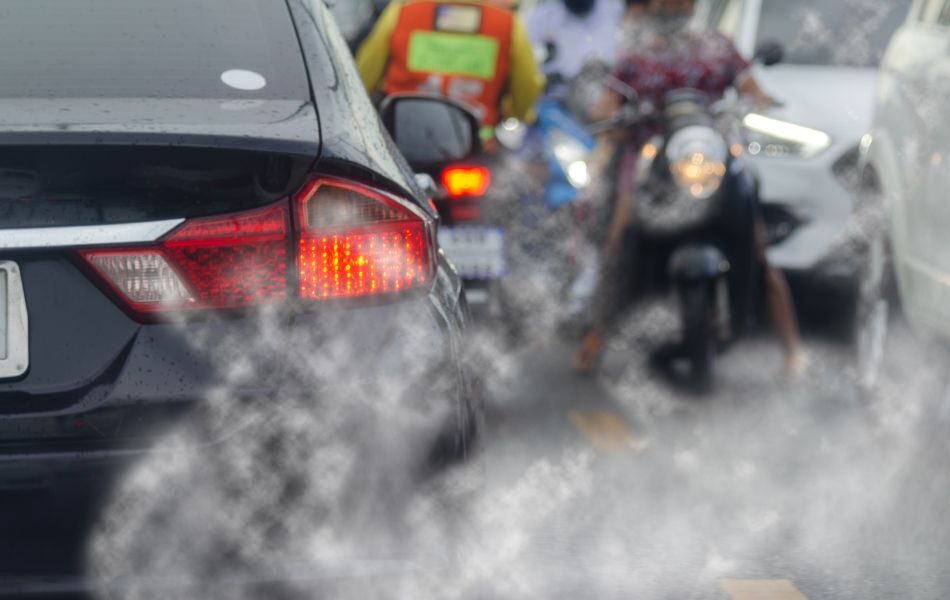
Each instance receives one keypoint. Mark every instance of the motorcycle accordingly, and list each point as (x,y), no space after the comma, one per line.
(693,231)
(506,219)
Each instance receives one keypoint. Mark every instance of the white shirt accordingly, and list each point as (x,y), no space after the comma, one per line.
(578,39)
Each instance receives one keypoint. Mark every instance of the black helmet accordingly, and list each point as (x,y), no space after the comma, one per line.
(581,8)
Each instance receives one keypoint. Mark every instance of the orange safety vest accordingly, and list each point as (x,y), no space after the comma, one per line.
(459,50)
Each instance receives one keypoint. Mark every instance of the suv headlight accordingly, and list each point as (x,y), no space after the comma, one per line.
(572,156)
(697,157)
(775,138)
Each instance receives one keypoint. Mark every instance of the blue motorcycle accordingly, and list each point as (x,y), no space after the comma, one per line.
(565,146)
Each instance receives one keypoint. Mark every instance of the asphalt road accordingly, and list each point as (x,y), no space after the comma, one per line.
(767,489)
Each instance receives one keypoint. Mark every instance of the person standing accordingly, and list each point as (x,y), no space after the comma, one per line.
(578,30)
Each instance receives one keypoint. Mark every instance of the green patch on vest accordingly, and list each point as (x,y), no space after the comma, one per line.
(453,54)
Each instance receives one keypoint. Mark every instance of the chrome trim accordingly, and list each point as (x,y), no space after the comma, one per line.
(16,360)
(91,235)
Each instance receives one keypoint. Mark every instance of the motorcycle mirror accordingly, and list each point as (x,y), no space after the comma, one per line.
(769,54)
(431,130)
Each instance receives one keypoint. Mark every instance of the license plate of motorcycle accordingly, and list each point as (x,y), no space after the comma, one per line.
(476,252)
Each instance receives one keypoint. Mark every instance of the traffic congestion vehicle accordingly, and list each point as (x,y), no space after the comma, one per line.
(805,150)
(506,214)
(909,152)
(693,226)
(176,192)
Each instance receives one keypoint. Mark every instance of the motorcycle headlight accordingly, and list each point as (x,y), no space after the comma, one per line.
(774,138)
(572,156)
(697,157)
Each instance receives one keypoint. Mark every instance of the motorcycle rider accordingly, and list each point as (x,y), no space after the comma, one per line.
(666,55)
(473,51)
(596,199)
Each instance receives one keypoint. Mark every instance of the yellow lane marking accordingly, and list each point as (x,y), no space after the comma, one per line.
(606,430)
(761,589)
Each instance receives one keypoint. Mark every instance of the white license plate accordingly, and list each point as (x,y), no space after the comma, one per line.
(476,252)
(14,327)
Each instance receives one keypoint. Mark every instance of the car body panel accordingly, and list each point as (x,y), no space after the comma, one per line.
(349,125)
(910,151)
(809,187)
(284,126)
(805,91)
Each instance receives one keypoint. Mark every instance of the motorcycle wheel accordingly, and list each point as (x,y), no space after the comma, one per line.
(699,339)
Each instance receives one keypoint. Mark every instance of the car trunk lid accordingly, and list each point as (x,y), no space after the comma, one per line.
(277,126)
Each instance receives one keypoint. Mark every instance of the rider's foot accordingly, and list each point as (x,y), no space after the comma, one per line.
(587,358)
(796,365)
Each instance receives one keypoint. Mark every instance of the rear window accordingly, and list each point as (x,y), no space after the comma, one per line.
(149,48)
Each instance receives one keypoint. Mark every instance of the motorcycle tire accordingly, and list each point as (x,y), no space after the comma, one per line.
(699,338)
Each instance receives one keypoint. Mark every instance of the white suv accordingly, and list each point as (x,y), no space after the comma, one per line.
(806,151)
(910,151)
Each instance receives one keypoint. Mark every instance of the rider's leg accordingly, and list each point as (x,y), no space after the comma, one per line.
(614,279)
(781,306)
(615,288)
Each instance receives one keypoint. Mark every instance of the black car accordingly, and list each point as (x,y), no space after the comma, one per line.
(197,196)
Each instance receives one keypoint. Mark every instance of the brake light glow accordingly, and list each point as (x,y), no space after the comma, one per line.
(466,181)
(351,241)
(355,241)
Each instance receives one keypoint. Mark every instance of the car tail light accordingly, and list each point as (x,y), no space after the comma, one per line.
(460,182)
(231,261)
(351,241)
(356,241)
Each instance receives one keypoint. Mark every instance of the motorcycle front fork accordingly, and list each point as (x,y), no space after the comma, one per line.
(723,312)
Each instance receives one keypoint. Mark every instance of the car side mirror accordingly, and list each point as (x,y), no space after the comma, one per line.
(430,130)
(769,54)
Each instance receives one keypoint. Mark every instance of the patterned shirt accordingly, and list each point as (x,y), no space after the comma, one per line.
(654,65)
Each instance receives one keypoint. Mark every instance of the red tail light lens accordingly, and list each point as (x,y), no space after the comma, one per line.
(466,181)
(352,241)
(356,241)
(232,261)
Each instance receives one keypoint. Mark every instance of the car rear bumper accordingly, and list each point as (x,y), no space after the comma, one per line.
(349,579)
(407,353)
